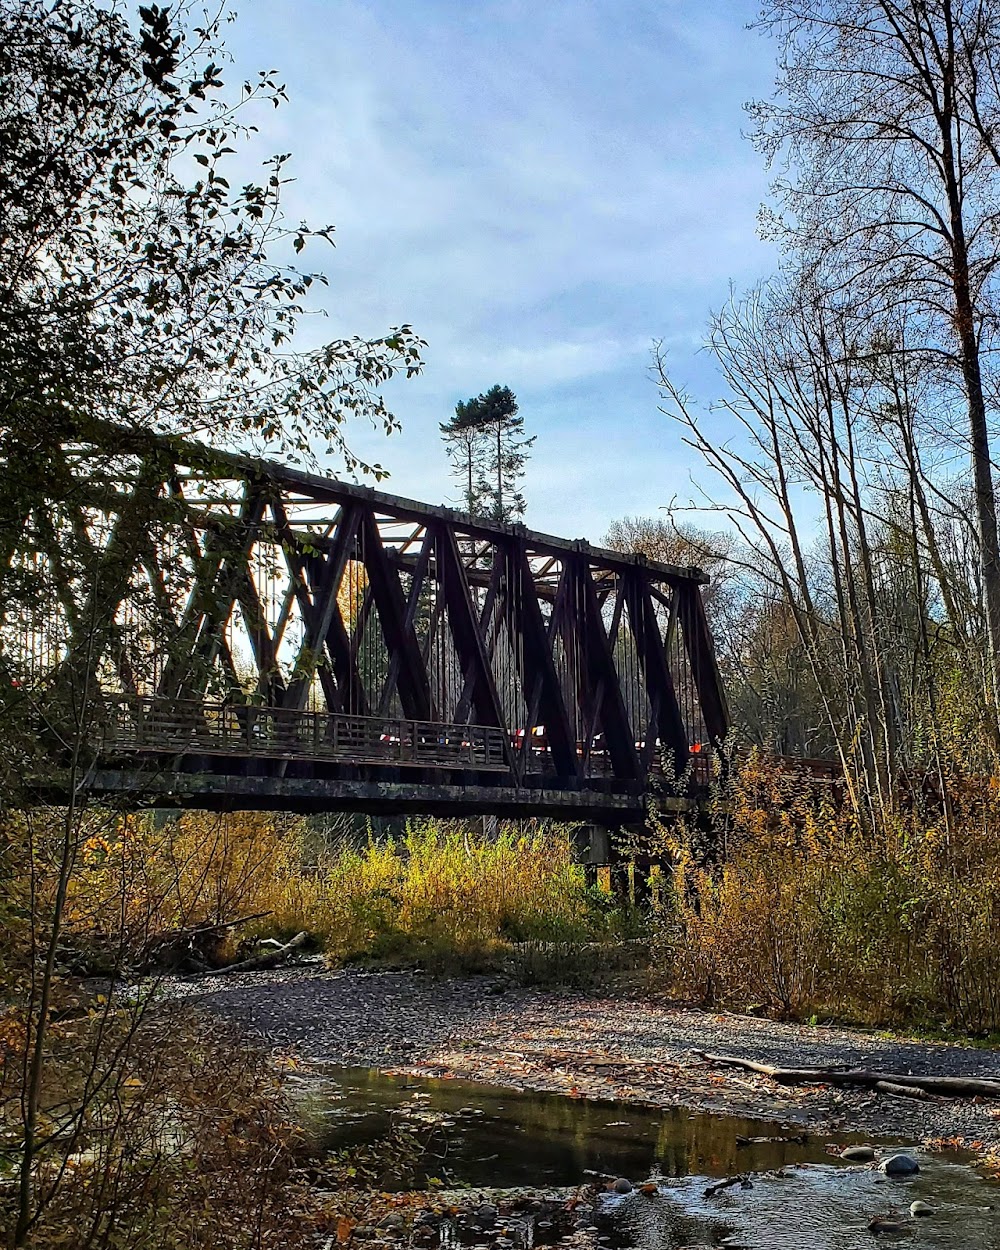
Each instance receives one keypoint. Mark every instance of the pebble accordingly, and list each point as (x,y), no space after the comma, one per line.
(377,1018)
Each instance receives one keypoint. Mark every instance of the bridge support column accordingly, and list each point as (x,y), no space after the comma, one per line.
(620,884)
(592,845)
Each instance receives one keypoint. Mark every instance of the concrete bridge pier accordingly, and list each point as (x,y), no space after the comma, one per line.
(592,849)
(630,874)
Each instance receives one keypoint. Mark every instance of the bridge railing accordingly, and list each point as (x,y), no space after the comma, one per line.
(152,725)
(192,727)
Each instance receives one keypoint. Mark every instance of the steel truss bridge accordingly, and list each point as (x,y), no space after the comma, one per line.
(220,631)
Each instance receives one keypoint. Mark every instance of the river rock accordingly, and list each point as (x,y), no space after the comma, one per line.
(858,1154)
(622,1186)
(899,1165)
(918,1209)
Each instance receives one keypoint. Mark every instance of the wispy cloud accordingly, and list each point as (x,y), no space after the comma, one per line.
(541,190)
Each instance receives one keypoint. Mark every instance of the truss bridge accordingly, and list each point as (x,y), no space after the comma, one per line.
(195,628)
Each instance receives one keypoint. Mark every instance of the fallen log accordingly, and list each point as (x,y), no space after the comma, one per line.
(259,963)
(948,1086)
(191,948)
(743,1180)
(900,1091)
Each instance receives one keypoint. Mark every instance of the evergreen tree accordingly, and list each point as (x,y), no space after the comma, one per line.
(489,450)
(466,444)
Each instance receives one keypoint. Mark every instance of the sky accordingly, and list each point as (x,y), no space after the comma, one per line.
(542,190)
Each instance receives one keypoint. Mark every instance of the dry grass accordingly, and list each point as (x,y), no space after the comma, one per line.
(812,915)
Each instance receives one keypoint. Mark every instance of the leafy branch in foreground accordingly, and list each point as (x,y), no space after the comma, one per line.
(137,284)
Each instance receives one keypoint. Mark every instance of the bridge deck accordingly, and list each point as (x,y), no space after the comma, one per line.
(218,755)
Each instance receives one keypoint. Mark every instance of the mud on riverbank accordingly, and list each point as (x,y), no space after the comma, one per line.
(570,1043)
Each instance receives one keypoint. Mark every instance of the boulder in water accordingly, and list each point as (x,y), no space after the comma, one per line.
(622,1186)
(899,1165)
(858,1154)
(891,1223)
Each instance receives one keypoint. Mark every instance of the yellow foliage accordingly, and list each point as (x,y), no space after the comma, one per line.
(813,915)
(442,889)
(142,875)
(438,889)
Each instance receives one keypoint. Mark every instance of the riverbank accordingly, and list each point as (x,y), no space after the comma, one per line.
(579,1045)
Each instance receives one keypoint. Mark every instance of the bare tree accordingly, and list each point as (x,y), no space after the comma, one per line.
(884,127)
(818,443)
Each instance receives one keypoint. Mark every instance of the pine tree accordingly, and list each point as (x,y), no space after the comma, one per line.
(467,447)
(489,450)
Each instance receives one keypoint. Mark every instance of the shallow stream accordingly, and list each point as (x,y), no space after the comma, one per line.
(800,1194)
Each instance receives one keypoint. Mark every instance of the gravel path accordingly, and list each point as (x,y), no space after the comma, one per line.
(575,1044)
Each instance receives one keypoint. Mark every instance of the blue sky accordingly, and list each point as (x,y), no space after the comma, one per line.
(541,190)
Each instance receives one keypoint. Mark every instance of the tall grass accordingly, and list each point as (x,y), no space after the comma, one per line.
(442,890)
(440,895)
(813,915)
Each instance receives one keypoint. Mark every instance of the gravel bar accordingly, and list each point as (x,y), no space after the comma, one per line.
(480,1029)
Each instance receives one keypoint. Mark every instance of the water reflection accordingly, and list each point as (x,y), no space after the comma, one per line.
(480,1135)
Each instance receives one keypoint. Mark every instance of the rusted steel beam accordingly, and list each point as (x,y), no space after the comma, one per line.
(704,667)
(320,580)
(666,720)
(540,678)
(468,636)
(217,574)
(603,680)
(412,680)
(419,579)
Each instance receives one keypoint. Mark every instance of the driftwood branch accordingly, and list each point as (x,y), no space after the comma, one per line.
(898,1083)
(728,1183)
(900,1091)
(259,962)
(190,947)
(208,927)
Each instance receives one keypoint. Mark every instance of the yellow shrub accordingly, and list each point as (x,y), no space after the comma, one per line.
(813,915)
